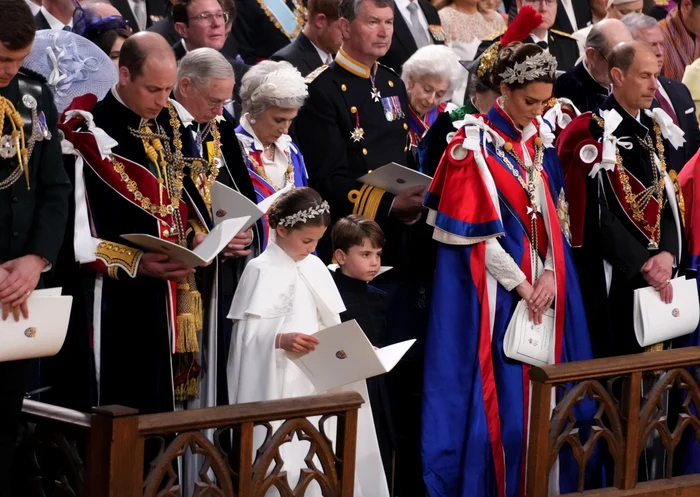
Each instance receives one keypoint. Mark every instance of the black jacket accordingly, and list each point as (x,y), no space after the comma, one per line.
(256,33)
(684,107)
(582,12)
(32,220)
(364,303)
(41,22)
(579,86)
(301,53)
(402,42)
(563,46)
(155,10)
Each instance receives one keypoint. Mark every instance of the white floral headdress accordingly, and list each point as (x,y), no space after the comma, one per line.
(304,215)
(542,64)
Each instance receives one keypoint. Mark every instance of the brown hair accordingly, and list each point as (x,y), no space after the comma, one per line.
(180,10)
(295,201)
(18,26)
(106,40)
(516,53)
(353,230)
(330,8)
(622,56)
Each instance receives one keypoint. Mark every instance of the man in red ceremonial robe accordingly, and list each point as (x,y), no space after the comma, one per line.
(613,159)
(130,184)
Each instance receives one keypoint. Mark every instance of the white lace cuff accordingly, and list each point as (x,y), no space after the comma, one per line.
(502,266)
(549,260)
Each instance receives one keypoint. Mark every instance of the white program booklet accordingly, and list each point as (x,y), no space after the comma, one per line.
(395,178)
(203,254)
(656,321)
(345,355)
(43,333)
(528,342)
(227,203)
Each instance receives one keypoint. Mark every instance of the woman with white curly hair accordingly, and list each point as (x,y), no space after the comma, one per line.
(271,94)
(431,74)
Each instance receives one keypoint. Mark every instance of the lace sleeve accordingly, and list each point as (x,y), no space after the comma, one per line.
(502,266)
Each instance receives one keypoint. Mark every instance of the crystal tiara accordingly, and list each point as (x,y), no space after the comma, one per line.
(305,215)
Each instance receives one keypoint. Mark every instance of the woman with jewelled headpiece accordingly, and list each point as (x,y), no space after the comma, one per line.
(496,202)
(271,94)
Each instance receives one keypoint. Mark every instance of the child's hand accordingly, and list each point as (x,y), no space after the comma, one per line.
(298,343)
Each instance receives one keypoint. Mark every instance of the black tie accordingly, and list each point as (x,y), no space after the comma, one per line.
(543,45)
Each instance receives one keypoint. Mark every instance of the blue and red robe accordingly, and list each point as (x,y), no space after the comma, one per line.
(475,399)
(262,187)
(417,127)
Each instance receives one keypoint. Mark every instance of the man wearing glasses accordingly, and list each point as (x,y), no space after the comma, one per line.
(203,24)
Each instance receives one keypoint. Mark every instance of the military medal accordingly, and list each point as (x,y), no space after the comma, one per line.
(7,147)
(358,133)
(437,33)
(376,95)
(29,101)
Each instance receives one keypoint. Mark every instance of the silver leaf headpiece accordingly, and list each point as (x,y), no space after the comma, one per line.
(536,66)
(305,215)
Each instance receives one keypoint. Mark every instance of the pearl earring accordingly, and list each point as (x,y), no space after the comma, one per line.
(252,120)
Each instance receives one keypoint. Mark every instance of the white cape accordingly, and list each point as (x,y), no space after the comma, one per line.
(278,295)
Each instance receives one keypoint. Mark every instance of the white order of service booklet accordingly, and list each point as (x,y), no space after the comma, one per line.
(345,355)
(227,203)
(395,178)
(43,333)
(203,254)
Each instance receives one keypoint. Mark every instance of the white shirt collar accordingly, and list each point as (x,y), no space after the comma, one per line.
(321,53)
(185,117)
(535,39)
(115,94)
(184,45)
(53,21)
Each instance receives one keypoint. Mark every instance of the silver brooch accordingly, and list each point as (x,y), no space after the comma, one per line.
(7,147)
(29,101)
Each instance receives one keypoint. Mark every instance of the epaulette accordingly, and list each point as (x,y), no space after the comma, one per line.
(387,67)
(493,36)
(314,74)
(28,73)
(562,33)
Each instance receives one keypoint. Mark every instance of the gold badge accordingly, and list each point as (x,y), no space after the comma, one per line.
(30,332)
(341,354)
(221,213)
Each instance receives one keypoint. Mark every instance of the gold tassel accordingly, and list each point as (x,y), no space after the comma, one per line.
(197,308)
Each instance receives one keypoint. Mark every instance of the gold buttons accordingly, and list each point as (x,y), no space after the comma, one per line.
(391,84)
(364,151)
(343,87)
(538,141)
(166,233)
(353,109)
(405,126)
(508,146)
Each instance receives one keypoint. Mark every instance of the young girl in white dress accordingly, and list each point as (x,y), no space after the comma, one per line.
(284,297)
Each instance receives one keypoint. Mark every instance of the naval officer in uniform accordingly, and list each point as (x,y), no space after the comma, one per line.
(34,190)
(354,121)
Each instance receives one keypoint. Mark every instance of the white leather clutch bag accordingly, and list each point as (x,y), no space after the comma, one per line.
(655,321)
(528,342)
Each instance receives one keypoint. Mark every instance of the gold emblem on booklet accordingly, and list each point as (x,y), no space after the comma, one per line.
(221,213)
(30,332)
(341,354)
(676,312)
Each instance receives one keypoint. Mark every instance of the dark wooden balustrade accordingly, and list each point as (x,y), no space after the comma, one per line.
(115,443)
(625,419)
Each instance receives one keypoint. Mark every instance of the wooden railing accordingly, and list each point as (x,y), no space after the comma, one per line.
(625,420)
(116,443)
